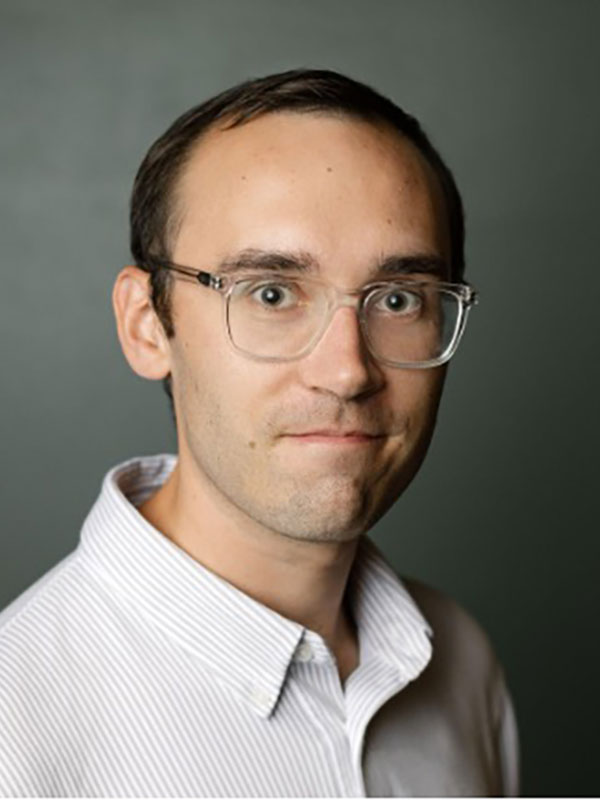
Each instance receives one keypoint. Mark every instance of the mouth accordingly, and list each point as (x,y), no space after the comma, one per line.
(333,437)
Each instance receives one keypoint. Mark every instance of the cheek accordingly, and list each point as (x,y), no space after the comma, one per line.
(416,395)
(223,397)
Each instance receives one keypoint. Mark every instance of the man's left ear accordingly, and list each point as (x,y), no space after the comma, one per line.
(141,334)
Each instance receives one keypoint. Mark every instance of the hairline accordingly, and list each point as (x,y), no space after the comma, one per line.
(174,211)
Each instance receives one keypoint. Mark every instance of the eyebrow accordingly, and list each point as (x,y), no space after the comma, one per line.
(254,259)
(407,265)
(276,260)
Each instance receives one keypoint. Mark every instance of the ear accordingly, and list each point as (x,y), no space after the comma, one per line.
(141,334)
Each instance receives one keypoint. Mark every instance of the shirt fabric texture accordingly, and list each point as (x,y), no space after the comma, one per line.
(132,670)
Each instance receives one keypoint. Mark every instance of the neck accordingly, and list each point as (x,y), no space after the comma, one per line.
(304,581)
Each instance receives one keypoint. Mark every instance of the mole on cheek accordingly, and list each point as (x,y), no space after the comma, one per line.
(251,445)
(329,169)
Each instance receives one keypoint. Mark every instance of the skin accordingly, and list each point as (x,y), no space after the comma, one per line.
(277,514)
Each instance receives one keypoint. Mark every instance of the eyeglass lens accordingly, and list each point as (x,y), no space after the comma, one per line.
(281,318)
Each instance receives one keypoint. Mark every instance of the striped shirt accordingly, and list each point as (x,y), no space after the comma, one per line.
(131,669)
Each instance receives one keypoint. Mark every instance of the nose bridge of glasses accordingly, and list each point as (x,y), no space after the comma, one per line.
(343,298)
(339,299)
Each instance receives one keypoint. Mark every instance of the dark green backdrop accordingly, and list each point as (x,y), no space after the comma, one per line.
(502,515)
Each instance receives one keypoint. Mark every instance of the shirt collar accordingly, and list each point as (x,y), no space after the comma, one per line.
(243,643)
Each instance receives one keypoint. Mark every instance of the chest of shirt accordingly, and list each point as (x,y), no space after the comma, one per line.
(174,728)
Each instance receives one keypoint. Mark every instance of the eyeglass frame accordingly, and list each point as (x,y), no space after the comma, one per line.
(466,295)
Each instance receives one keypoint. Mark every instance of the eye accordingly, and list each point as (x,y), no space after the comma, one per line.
(274,295)
(397,301)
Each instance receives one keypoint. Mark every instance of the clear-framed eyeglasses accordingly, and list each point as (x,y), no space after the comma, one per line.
(274,316)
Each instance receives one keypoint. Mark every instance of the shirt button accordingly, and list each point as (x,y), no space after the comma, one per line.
(261,698)
(304,652)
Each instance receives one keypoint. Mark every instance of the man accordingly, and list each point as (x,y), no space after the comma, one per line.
(225,627)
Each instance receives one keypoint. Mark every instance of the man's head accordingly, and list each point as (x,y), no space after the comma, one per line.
(311,166)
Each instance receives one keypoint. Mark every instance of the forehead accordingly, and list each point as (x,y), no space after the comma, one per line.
(330,185)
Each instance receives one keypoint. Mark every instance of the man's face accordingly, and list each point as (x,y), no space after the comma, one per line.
(348,195)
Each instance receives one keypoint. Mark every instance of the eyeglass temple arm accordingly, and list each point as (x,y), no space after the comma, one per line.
(203,277)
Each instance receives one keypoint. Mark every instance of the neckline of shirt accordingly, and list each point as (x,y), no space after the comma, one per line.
(244,643)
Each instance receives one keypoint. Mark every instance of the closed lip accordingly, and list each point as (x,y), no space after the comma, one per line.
(335,434)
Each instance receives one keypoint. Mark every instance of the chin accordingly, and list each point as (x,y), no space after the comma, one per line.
(329,514)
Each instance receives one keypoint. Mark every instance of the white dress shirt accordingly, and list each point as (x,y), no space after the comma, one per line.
(131,669)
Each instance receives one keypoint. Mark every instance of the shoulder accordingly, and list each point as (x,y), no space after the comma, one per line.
(39,630)
(466,668)
(464,659)
(33,594)
(33,632)
(46,631)
(55,671)
(45,596)
(453,626)
(52,627)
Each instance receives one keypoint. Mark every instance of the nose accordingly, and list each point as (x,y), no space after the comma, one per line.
(340,363)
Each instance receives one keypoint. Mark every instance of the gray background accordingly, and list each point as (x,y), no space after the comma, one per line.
(502,514)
